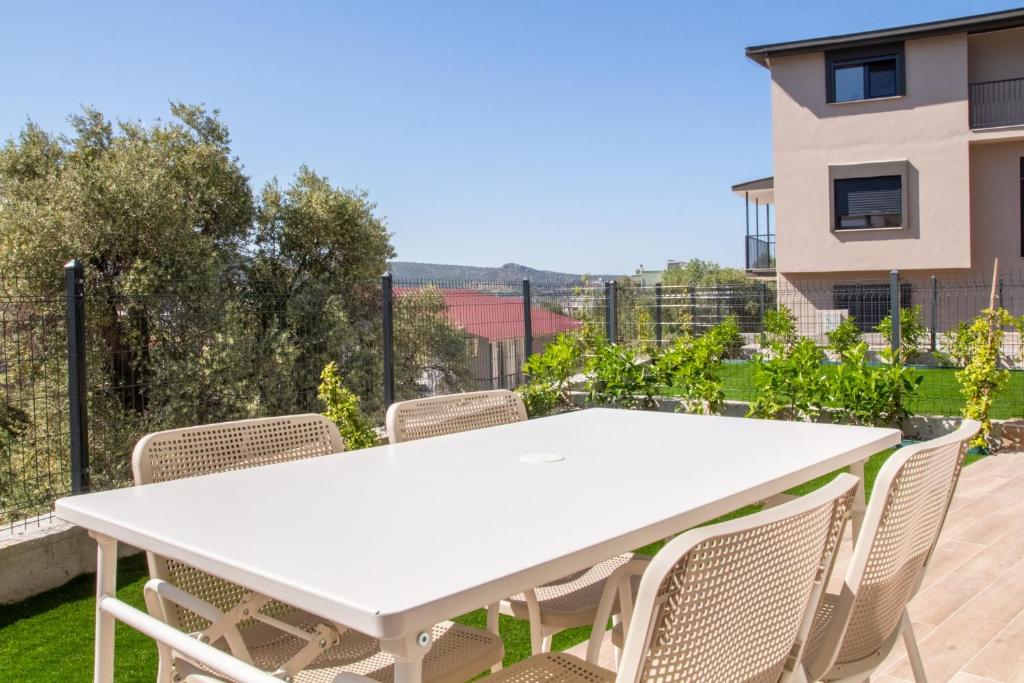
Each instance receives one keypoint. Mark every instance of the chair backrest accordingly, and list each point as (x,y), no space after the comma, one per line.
(206,449)
(439,415)
(734,601)
(908,506)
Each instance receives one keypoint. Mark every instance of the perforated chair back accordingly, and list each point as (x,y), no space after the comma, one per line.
(734,601)
(908,506)
(206,449)
(439,415)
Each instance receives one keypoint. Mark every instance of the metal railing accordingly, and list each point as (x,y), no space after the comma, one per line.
(761,253)
(997,103)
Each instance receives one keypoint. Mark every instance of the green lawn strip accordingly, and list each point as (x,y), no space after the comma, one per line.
(49,637)
(939,393)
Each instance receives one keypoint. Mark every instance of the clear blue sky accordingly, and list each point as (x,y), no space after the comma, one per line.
(578,136)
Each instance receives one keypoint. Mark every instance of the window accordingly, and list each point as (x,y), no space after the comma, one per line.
(864,75)
(865,203)
(1022,206)
(868,304)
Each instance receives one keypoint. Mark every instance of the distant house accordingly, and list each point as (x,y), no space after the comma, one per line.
(897,148)
(494,325)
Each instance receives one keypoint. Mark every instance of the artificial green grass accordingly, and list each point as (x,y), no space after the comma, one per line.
(49,637)
(939,393)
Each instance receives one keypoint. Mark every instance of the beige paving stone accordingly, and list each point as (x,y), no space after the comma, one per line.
(1003,600)
(947,648)
(980,484)
(1002,659)
(974,511)
(950,555)
(970,678)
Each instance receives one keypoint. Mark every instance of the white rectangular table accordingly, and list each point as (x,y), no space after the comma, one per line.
(392,540)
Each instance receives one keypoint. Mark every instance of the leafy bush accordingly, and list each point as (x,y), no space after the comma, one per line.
(726,338)
(981,377)
(872,395)
(790,384)
(912,332)
(550,373)
(955,347)
(845,336)
(691,367)
(619,378)
(342,408)
(779,329)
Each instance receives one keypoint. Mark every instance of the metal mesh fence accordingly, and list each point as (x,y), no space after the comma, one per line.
(164,359)
(34,463)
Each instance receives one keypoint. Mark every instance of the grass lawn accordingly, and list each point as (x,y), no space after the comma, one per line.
(49,637)
(939,393)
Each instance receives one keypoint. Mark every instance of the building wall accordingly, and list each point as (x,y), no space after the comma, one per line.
(996,55)
(995,205)
(928,128)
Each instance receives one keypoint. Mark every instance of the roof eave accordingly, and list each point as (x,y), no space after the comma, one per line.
(979,23)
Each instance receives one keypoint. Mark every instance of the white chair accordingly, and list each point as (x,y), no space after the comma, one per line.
(730,602)
(567,603)
(857,628)
(270,635)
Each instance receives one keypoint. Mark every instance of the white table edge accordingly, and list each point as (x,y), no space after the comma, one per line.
(379,624)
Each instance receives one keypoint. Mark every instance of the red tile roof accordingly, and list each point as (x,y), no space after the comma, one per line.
(496,317)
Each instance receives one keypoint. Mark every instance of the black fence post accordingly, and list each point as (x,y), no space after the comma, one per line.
(1001,292)
(74,291)
(761,295)
(527,320)
(894,308)
(935,311)
(693,308)
(657,315)
(387,315)
(609,318)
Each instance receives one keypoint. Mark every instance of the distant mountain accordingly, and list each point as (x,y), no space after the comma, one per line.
(441,273)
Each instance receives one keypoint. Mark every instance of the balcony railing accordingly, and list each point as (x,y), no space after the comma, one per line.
(997,103)
(761,253)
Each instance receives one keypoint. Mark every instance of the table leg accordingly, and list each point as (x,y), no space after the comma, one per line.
(859,498)
(106,584)
(408,653)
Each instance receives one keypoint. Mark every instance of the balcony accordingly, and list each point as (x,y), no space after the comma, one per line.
(760,239)
(997,103)
(761,254)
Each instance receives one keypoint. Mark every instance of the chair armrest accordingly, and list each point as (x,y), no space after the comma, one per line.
(170,637)
(172,593)
(617,582)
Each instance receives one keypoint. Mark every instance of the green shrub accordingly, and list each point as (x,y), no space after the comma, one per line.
(619,378)
(550,373)
(955,347)
(981,377)
(342,408)
(691,368)
(912,332)
(779,329)
(845,336)
(726,338)
(790,383)
(872,395)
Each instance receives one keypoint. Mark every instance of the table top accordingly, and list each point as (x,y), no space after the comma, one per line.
(390,540)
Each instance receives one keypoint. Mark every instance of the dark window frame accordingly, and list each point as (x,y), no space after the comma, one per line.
(837,223)
(1022,206)
(853,57)
(868,304)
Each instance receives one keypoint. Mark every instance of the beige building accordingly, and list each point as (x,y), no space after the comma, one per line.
(898,149)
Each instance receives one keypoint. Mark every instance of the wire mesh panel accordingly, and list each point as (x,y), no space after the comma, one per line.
(34,463)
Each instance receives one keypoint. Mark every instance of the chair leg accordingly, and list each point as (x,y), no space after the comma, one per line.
(493,617)
(913,652)
(545,645)
(536,637)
